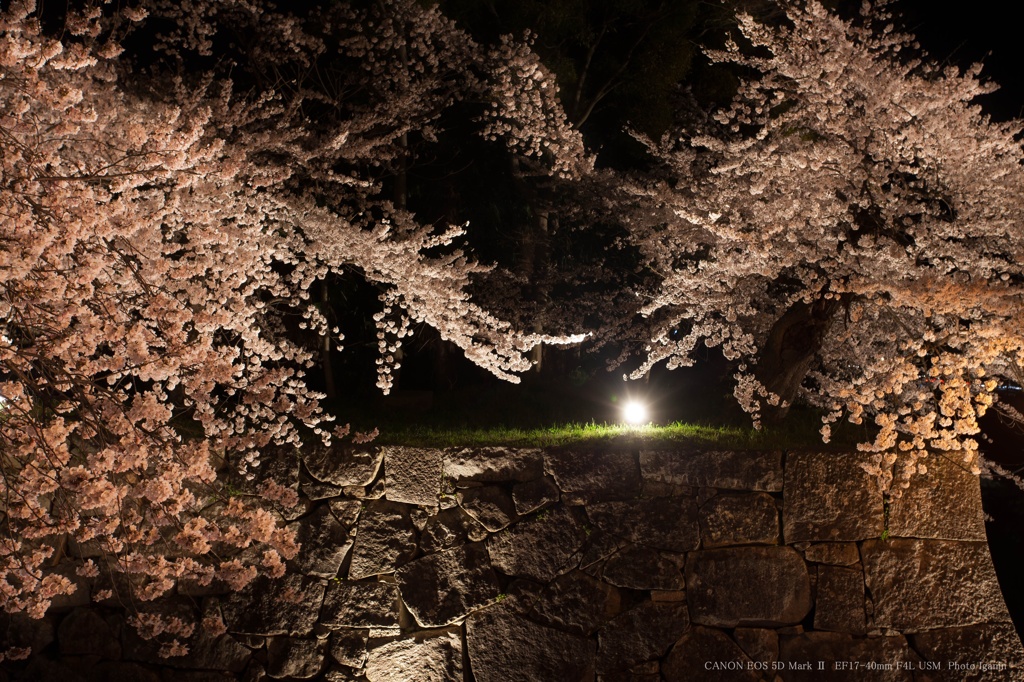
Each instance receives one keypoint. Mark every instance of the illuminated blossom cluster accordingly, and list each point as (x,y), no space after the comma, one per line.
(163,228)
(158,234)
(525,110)
(855,181)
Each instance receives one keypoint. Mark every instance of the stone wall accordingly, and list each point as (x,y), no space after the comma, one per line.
(495,565)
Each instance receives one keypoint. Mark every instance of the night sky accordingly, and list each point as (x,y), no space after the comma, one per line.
(966,32)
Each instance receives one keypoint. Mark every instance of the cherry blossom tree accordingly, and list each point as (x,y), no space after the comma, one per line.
(161,228)
(848,230)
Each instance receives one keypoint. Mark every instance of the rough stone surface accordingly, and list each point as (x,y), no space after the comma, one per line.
(361,492)
(996,645)
(346,511)
(342,675)
(450,528)
(577,603)
(288,605)
(343,465)
(489,505)
(839,606)
(294,657)
(601,586)
(830,497)
(433,659)
(692,654)
(739,520)
(759,644)
(668,523)
(504,647)
(643,568)
(385,539)
(205,651)
(360,605)
(643,633)
(920,585)
(317,490)
(534,495)
(595,476)
(726,470)
(835,553)
(943,504)
(325,544)
(348,647)
(882,658)
(442,588)
(519,596)
(600,546)
(120,671)
(668,595)
(538,548)
(412,475)
(492,465)
(83,632)
(725,587)
(41,669)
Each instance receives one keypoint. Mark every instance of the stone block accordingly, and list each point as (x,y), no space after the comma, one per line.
(534,495)
(666,523)
(586,477)
(346,511)
(577,603)
(834,553)
(385,539)
(317,490)
(493,465)
(643,633)
(348,647)
(642,568)
(442,588)
(504,647)
(433,658)
(360,605)
(747,586)
(977,652)
(341,464)
(839,606)
(450,528)
(292,657)
(918,585)
(539,547)
(942,504)
(813,656)
(707,655)
(412,475)
(743,470)
(490,505)
(830,497)
(325,544)
(285,606)
(739,520)
(759,644)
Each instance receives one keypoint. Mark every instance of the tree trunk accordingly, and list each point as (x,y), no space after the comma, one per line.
(538,266)
(533,257)
(787,355)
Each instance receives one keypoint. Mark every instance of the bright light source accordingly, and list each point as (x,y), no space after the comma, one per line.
(634,413)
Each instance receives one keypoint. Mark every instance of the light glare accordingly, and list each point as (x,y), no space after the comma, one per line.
(634,412)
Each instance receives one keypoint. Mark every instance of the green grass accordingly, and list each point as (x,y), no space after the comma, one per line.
(602,436)
(556,415)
